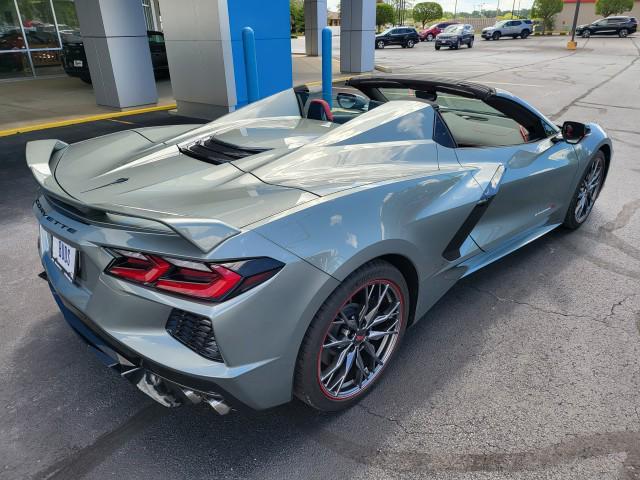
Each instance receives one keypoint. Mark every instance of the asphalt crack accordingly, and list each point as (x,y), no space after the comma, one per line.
(82,461)
(604,320)
(566,108)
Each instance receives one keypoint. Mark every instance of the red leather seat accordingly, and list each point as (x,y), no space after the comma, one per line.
(319,110)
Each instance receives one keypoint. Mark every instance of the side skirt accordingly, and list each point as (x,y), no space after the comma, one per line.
(476,262)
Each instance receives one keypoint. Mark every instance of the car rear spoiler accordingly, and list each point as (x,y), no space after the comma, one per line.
(204,233)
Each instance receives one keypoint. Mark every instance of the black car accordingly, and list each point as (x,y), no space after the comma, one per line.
(455,36)
(74,59)
(405,36)
(621,26)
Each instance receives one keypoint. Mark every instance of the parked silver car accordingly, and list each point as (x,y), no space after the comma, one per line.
(508,28)
(284,248)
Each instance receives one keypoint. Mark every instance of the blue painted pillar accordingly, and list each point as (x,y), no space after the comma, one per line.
(250,64)
(270,21)
(326,65)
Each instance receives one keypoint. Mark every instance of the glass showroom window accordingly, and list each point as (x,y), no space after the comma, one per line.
(32,33)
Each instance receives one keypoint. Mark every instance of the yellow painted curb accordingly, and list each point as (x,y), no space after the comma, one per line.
(91,118)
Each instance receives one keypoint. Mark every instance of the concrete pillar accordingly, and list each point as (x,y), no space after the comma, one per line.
(204,51)
(357,35)
(115,40)
(198,42)
(315,19)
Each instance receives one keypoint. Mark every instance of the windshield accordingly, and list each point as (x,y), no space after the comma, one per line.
(499,24)
(388,30)
(452,28)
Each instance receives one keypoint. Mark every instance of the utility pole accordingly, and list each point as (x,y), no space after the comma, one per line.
(455,10)
(513,8)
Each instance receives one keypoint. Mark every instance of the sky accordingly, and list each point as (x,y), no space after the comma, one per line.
(463,5)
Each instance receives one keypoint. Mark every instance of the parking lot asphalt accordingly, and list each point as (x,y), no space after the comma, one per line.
(528,369)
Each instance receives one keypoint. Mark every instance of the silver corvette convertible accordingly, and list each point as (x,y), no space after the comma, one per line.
(283,249)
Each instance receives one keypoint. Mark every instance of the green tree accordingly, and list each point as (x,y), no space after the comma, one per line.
(427,12)
(384,14)
(613,7)
(296,7)
(546,10)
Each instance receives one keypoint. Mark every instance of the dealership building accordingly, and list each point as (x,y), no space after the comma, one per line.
(203,40)
(587,13)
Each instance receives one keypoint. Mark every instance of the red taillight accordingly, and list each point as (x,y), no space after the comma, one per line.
(139,268)
(192,278)
(214,285)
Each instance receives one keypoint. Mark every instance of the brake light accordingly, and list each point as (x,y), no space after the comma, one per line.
(191,278)
(195,283)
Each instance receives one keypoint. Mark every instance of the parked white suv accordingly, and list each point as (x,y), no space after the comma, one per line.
(508,28)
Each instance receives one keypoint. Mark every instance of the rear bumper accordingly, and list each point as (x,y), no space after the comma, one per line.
(126,324)
(167,387)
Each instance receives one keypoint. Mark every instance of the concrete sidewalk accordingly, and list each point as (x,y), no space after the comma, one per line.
(30,103)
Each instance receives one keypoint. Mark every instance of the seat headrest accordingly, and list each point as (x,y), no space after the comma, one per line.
(319,110)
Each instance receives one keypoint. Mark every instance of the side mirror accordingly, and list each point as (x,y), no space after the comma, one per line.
(573,132)
(351,101)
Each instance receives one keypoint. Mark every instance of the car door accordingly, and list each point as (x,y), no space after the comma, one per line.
(393,36)
(614,26)
(467,34)
(532,191)
(600,27)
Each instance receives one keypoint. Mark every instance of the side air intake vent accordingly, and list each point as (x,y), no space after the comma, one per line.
(194,331)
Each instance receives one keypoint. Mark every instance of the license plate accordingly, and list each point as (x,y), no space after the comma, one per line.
(65,257)
(78,63)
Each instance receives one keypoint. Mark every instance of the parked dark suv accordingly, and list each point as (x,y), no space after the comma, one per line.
(74,59)
(405,36)
(621,26)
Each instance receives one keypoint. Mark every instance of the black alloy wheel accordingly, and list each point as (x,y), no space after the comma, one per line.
(352,338)
(586,193)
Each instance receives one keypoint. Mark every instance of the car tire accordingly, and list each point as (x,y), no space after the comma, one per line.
(524,34)
(470,44)
(86,79)
(359,370)
(437,47)
(496,36)
(410,43)
(623,33)
(429,38)
(590,184)
(586,34)
(380,44)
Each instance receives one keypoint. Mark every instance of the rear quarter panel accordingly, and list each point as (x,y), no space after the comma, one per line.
(414,217)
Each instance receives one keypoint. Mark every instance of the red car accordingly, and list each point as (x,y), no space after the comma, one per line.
(431,32)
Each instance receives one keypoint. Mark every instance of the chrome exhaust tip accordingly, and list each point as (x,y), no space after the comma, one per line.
(218,404)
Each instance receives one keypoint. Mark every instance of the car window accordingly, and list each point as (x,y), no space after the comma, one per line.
(474,123)
(453,29)
(155,38)
(342,110)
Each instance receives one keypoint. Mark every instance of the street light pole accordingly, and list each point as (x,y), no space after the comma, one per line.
(455,10)
(571,45)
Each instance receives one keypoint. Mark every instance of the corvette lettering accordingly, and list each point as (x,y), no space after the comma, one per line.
(53,220)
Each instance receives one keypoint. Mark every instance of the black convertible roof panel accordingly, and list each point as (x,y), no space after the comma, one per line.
(425,83)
